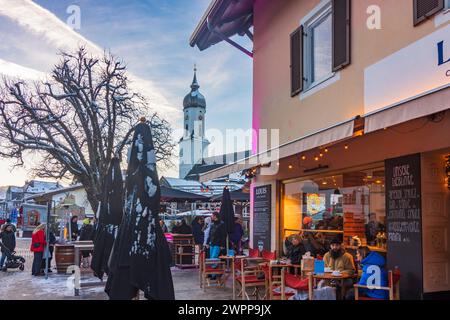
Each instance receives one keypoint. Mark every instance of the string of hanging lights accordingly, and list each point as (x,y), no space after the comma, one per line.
(447,171)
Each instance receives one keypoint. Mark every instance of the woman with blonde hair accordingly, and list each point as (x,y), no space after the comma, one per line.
(37,247)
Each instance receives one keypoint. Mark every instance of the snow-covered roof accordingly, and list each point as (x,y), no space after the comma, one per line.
(55,192)
(36,186)
(176,182)
(3,192)
(16,189)
(204,213)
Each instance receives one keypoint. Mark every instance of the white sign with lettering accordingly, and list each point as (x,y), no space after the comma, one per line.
(411,71)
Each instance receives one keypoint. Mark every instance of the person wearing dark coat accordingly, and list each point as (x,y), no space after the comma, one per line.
(197,231)
(184,228)
(236,235)
(74,228)
(295,249)
(8,238)
(217,236)
(86,234)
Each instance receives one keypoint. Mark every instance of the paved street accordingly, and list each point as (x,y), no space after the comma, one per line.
(20,285)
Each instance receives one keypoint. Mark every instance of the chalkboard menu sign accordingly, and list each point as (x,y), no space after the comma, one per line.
(404,222)
(262,212)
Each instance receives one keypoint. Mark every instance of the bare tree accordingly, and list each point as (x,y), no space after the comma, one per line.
(77,121)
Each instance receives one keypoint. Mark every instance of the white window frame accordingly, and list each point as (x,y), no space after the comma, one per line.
(318,15)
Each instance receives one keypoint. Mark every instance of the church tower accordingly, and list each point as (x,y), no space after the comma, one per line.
(193,144)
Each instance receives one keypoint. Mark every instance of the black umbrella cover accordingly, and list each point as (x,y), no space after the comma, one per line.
(141,258)
(227,211)
(110,216)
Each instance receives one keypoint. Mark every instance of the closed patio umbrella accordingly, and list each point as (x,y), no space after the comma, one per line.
(227,212)
(141,258)
(110,216)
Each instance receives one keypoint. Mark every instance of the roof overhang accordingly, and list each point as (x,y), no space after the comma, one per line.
(426,104)
(325,137)
(223,17)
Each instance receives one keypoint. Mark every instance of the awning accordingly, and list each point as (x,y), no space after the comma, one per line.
(322,138)
(237,195)
(420,106)
(223,17)
(175,195)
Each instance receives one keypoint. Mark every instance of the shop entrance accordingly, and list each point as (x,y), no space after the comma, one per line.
(436,223)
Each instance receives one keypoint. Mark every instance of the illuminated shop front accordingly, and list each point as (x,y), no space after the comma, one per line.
(345,205)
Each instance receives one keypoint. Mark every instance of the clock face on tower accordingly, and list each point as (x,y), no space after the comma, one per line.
(200,118)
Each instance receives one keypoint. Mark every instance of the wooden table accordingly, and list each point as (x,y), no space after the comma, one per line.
(329,276)
(232,258)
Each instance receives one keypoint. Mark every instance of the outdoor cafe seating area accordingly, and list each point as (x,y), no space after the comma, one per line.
(264,275)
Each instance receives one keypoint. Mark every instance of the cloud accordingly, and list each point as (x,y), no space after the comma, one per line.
(47,26)
(13,70)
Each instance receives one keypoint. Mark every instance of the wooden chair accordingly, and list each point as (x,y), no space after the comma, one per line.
(210,267)
(393,288)
(277,285)
(269,255)
(249,279)
(253,253)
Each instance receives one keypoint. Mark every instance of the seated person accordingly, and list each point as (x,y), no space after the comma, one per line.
(295,249)
(366,259)
(372,228)
(337,259)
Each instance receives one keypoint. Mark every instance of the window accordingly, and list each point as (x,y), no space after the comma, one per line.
(318,57)
(345,205)
(447,4)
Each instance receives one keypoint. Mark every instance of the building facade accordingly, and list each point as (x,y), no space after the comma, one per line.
(359,91)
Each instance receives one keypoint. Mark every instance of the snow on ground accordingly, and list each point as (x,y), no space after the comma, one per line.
(20,285)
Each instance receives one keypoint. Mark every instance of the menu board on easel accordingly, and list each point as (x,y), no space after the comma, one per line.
(262,217)
(404,222)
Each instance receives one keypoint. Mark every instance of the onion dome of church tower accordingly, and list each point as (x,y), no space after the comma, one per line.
(194,99)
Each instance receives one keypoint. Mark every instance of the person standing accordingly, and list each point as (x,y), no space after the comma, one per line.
(163,226)
(184,228)
(217,236)
(236,235)
(197,231)
(37,247)
(51,248)
(8,238)
(86,234)
(74,228)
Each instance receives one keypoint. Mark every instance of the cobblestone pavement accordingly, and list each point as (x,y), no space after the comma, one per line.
(20,285)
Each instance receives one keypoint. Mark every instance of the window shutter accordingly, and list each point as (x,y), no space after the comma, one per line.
(423,9)
(341,34)
(297,61)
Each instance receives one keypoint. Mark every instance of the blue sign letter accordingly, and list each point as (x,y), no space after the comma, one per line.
(441,54)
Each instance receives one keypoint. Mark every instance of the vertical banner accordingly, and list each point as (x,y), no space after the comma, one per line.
(262,217)
(404,223)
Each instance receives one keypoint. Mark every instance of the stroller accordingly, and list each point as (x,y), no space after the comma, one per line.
(12,261)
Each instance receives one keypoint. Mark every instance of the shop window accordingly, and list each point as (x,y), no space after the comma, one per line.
(347,205)
(317,46)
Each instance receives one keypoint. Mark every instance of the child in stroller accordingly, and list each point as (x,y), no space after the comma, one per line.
(12,261)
